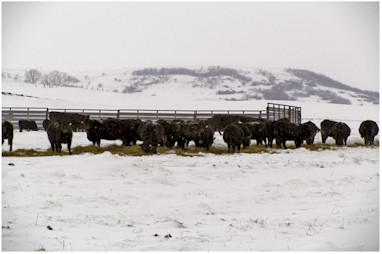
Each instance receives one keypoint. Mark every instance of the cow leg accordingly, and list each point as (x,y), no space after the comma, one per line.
(369,141)
(278,143)
(10,144)
(186,145)
(69,144)
(238,147)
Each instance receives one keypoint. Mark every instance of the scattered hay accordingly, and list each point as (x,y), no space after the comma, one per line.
(191,151)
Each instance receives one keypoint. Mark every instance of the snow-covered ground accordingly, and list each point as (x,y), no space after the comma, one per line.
(290,200)
(283,200)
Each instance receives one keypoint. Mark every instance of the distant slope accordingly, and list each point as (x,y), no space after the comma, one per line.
(218,83)
(309,76)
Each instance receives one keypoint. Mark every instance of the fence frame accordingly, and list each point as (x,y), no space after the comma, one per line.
(38,114)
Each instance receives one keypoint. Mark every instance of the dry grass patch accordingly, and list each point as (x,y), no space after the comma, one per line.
(190,152)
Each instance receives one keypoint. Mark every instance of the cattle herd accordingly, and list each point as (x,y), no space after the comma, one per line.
(238,131)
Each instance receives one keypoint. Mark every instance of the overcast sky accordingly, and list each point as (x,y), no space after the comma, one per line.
(340,40)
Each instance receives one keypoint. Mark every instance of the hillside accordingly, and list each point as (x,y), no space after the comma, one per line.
(215,83)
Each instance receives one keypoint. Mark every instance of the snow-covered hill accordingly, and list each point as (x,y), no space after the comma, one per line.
(216,84)
(293,199)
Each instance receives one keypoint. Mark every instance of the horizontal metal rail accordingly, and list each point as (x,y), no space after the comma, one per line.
(38,114)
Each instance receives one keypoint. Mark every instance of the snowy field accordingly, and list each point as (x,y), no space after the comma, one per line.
(292,199)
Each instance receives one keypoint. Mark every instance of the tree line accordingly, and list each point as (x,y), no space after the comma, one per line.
(210,72)
(53,78)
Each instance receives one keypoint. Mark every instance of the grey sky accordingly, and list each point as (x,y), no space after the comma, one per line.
(340,40)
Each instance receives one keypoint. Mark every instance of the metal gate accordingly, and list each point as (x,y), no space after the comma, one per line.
(272,112)
(278,111)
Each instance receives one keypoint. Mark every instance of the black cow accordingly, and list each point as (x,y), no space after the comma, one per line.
(76,119)
(327,129)
(219,122)
(284,131)
(60,133)
(190,132)
(368,130)
(341,132)
(182,134)
(234,136)
(109,129)
(309,131)
(161,135)
(247,135)
(337,130)
(205,137)
(270,129)
(150,134)
(129,131)
(7,133)
(27,125)
(169,132)
(93,130)
(45,124)
(172,132)
(258,131)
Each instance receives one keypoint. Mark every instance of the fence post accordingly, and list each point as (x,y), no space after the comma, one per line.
(118,114)
(11,114)
(47,113)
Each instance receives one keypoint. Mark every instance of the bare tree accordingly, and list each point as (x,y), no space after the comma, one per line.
(32,76)
(55,78)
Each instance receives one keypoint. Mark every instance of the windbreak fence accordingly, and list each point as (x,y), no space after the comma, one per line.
(272,112)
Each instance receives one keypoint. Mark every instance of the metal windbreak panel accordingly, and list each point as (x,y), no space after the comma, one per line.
(278,111)
(273,112)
